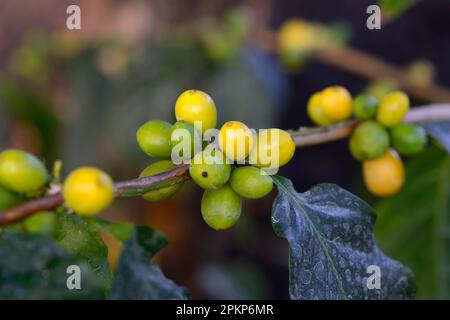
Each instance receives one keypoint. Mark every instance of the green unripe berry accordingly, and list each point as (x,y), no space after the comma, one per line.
(221,208)
(165,192)
(21,171)
(8,199)
(184,139)
(41,223)
(409,139)
(154,138)
(365,106)
(369,141)
(250,182)
(209,169)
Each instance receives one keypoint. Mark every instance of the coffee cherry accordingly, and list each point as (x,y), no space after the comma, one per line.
(185,141)
(235,140)
(295,35)
(384,176)
(209,169)
(393,109)
(336,103)
(21,171)
(408,139)
(273,148)
(368,141)
(154,138)
(8,198)
(250,182)
(221,208)
(295,38)
(365,106)
(88,191)
(163,193)
(197,108)
(315,110)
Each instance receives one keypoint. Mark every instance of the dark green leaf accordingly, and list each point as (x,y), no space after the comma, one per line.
(34,267)
(136,278)
(83,241)
(441,132)
(414,225)
(330,235)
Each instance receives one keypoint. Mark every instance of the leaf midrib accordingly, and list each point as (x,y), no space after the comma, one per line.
(317,234)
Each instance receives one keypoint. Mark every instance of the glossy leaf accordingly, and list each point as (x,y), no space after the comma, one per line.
(332,249)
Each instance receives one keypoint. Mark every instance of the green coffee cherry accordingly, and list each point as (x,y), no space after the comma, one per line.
(163,193)
(209,169)
(21,171)
(41,223)
(221,208)
(365,106)
(409,139)
(369,141)
(8,199)
(250,182)
(154,138)
(185,141)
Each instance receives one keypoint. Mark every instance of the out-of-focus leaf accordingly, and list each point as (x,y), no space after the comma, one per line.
(441,132)
(136,278)
(32,109)
(34,267)
(330,235)
(83,241)
(414,225)
(394,8)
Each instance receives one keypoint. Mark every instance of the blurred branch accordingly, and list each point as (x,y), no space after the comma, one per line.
(365,65)
(309,136)
(304,136)
(131,188)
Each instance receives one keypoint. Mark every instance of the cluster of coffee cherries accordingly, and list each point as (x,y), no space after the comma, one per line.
(232,163)
(379,135)
(86,191)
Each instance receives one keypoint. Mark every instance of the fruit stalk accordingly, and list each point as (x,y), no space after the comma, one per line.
(305,136)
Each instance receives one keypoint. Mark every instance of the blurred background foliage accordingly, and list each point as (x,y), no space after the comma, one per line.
(79,96)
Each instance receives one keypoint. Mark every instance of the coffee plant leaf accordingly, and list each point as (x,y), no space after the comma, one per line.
(136,278)
(35,267)
(332,252)
(82,240)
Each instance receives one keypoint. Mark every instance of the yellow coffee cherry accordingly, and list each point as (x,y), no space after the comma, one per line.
(235,140)
(273,148)
(384,176)
(393,109)
(88,191)
(197,108)
(295,35)
(336,103)
(315,110)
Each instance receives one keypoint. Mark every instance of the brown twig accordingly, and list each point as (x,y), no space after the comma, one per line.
(304,136)
(366,66)
(130,188)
